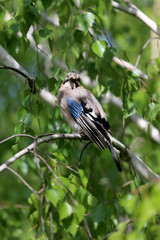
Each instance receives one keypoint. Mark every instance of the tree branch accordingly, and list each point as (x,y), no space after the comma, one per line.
(142,169)
(24,182)
(130,67)
(134,11)
(143,124)
(39,141)
(7,60)
(145,45)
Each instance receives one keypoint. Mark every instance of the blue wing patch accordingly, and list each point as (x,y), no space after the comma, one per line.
(75,108)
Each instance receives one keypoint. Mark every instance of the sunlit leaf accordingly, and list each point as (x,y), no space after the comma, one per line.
(99,47)
(80,211)
(85,21)
(91,200)
(83,176)
(53,196)
(65,210)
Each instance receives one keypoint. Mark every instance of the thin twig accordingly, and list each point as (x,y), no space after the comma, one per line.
(131,167)
(31,82)
(43,187)
(130,67)
(24,182)
(82,153)
(16,70)
(51,224)
(145,45)
(87,228)
(134,11)
(17,135)
(122,63)
(134,175)
(56,177)
(105,237)
(7,60)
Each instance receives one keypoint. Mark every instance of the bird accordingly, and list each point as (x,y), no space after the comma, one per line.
(84,113)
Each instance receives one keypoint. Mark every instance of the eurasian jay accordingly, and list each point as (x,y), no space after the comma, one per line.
(84,113)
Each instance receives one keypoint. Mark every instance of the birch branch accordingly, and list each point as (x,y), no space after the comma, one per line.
(141,168)
(7,60)
(143,124)
(130,67)
(139,165)
(134,11)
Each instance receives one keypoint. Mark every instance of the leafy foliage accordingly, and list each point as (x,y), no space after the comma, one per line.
(48,37)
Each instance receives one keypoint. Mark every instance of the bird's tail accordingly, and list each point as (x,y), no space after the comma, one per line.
(114,155)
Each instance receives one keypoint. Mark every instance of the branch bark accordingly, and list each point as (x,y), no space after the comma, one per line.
(134,11)
(141,168)
(130,67)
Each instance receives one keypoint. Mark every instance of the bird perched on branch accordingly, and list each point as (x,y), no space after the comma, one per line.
(84,113)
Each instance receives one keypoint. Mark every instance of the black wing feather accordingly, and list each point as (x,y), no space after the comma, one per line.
(93,126)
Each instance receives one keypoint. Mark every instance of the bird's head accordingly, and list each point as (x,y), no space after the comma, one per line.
(72,80)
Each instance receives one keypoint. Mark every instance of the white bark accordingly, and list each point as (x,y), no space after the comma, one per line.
(133,10)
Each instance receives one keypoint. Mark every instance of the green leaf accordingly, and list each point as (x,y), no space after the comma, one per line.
(73,227)
(83,176)
(22,113)
(15,28)
(120,233)
(99,47)
(81,195)
(27,2)
(53,196)
(154,110)
(33,10)
(46,3)
(85,21)
(34,217)
(25,97)
(45,33)
(109,54)
(123,55)
(74,183)
(65,210)
(80,211)
(20,128)
(32,200)
(28,120)
(91,200)
(99,214)
(129,202)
